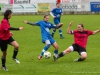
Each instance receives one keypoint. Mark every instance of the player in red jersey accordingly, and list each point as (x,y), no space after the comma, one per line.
(6,38)
(80,41)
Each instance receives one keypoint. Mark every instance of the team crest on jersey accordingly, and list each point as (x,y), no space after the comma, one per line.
(60,11)
(49,24)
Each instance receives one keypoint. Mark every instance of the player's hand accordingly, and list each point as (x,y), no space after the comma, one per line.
(21,28)
(25,21)
(70,24)
(11,33)
(61,24)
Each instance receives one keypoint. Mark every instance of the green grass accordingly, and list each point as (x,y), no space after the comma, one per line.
(30,47)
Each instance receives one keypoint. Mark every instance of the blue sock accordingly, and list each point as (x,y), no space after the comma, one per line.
(45,49)
(60,32)
(53,32)
(56,53)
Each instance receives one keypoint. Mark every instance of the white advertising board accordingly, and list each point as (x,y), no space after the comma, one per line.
(43,1)
(4,1)
(21,1)
(6,6)
(75,6)
(69,1)
(24,7)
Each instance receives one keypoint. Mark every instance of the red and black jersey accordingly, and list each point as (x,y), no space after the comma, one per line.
(4,30)
(80,38)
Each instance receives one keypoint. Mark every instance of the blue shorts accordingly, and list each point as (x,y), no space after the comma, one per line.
(52,41)
(56,21)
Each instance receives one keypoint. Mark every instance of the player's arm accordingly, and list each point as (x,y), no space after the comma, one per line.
(20,28)
(68,29)
(52,15)
(62,12)
(96,31)
(30,23)
(5,24)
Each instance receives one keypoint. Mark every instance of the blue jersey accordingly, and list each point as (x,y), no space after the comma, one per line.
(57,12)
(45,29)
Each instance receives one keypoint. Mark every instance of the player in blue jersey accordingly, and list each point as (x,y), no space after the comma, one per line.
(45,27)
(56,14)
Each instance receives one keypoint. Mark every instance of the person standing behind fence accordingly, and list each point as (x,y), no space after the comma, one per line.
(56,14)
(6,38)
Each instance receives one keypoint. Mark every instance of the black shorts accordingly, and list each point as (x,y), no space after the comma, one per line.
(78,48)
(4,43)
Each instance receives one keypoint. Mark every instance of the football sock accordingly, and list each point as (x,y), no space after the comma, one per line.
(3,61)
(60,32)
(45,49)
(55,53)
(53,32)
(42,52)
(15,53)
(61,54)
(80,59)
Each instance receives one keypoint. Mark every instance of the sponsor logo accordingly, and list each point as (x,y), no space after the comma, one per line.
(21,1)
(66,6)
(19,7)
(97,6)
(30,7)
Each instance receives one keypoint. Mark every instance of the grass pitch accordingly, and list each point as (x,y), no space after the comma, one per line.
(29,40)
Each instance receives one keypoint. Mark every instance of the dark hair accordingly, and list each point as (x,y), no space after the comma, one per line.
(45,16)
(7,13)
(57,3)
(81,25)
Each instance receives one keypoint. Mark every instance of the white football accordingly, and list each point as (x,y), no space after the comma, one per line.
(47,55)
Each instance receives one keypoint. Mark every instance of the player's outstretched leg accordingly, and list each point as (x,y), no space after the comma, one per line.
(68,50)
(45,49)
(59,56)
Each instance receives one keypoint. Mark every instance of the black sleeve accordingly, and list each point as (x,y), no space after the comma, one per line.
(11,28)
(32,23)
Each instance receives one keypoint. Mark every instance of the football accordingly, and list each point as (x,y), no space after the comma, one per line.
(47,55)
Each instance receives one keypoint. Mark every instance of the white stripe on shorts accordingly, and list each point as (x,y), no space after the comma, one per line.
(72,49)
(83,53)
(47,42)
